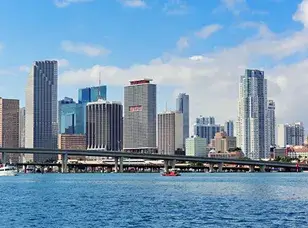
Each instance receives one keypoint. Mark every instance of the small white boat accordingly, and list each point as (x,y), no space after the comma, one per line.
(8,171)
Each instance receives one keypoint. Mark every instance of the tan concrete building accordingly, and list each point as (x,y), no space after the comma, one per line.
(222,142)
(72,142)
(9,126)
(170,132)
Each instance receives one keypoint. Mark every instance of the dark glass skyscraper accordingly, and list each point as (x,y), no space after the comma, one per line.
(182,106)
(92,94)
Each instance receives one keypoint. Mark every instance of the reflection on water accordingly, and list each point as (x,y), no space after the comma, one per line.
(149,200)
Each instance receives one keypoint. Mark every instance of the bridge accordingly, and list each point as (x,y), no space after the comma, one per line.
(169,160)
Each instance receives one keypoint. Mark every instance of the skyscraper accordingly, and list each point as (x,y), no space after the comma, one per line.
(104,125)
(182,105)
(229,128)
(91,94)
(41,108)
(170,132)
(9,126)
(71,117)
(205,127)
(140,117)
(290,134)
(271,122)
(22,122)
(252,131)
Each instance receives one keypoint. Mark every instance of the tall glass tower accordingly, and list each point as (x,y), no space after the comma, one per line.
(182,106)
(71,117)
(252,129)
(92,94)
(41,108)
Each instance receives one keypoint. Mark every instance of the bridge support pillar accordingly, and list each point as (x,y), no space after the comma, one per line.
(3,157)
(211,168)
(121,164)
(251,168)
(166,165)
(262,168)
(220,165)
(116,164)
(64,163)
(173,162)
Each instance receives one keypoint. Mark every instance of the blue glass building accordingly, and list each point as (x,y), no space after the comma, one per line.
(71,117)
(91,94)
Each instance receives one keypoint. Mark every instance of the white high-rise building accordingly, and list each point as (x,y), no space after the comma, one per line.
(252,127)
(195,146)
(41,109)
(271,122)
(290,134)
(170,132)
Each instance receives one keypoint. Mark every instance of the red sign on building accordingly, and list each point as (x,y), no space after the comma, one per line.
(136,108)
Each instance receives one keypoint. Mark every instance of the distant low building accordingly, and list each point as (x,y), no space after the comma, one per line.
(195,146)
(72,142)
(233,154)
(222,142)
(297,151)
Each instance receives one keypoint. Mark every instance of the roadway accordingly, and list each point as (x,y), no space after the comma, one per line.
(119,154)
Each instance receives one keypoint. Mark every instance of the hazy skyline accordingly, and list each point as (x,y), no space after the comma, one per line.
(197,47)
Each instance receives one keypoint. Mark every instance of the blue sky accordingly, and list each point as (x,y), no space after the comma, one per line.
(127,39)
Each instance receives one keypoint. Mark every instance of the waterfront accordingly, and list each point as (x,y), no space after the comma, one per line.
(149,200)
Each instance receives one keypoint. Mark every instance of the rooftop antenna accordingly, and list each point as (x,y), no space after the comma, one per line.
(166,106)
(99,85)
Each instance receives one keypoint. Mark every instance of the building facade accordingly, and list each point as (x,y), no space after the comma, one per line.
(71,117)
(252,129)
(182,106)
(91,94)
(41,109)
(104,125)
(271,122)
(170,132)
(290,134)
(22,126)
(205,127)
(9,126)
(222,142)
(229,128)
(195,146)
(72,142)
(140,117)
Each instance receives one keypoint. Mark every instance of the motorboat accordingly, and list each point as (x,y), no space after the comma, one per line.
(8,171)
(171,173)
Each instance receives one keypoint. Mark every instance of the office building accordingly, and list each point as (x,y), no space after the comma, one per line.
(170,132)
(104,125)
(9,126)
(91,94)
(205,127)
(252,130)
(22,125)
(41,108)
(229,128)
(223,143)
(72,142)
(182,106)
(140,117)
(271,122)
(71,117)
(196,146)
(290,134)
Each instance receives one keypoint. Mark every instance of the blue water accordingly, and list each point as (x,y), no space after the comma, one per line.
(149,200)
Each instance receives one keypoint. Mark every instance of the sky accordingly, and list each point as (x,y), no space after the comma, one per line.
(197,47)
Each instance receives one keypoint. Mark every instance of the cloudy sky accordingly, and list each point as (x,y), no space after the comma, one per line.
(197,47)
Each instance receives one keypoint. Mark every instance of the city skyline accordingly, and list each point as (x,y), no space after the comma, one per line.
(184,60)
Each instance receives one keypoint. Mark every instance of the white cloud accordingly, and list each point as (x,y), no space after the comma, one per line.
(65,3)
(175,7)
(134,3)
(208,30)
(24,68)
(63,63)
(182,43)
(212,78)
(83,48)
(301,14)
(235,6)
(1,46)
